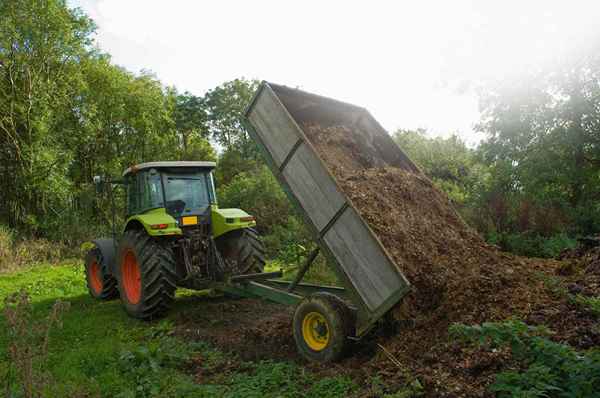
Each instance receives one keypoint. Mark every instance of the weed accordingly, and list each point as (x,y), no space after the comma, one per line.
(28,342)
(100,351)
(549,369)
(587,303)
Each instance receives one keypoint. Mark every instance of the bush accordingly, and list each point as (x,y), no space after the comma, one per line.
(259,194)
(6,248)
(28,340)
(531,244)
(16,252)
(548,369)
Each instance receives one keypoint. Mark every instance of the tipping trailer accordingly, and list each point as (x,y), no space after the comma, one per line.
(325,317)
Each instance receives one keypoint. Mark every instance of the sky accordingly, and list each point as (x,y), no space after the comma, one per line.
(412,64)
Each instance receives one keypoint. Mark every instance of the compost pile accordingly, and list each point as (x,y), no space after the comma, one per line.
(456,276)
(581,265)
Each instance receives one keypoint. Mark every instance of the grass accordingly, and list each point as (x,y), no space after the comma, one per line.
(100,351)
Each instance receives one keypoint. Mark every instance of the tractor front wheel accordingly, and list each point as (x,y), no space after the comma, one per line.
(147,278)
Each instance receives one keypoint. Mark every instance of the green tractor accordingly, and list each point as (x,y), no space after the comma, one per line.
(175,235)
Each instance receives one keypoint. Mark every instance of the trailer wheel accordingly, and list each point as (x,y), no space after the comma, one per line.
(147,276)
(100,283)
(322,323)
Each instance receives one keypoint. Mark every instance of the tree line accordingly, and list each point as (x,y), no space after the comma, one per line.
(67,113)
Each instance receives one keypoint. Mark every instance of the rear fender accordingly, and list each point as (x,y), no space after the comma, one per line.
(108,252)
(227,220)
(156,222)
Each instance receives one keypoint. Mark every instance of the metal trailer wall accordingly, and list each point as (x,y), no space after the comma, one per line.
(374,281)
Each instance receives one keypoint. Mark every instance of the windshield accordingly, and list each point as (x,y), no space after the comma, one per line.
(188,193)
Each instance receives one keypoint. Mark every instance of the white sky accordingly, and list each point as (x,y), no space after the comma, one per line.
(407,62)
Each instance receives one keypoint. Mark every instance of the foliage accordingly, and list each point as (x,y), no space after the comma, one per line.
(532,244)
(190,123)
(39,78)
(28,341)
(225,106)
(69,114)
(548,369)
(543,139)
(447,161)
(100,351)
(272,379)
(588,303)
(16,253)
(259,194)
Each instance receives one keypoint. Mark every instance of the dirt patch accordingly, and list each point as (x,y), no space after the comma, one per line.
(249,328)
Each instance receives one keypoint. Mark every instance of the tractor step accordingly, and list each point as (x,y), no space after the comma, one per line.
(255,277)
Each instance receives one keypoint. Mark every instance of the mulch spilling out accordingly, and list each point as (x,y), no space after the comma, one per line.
(456,276)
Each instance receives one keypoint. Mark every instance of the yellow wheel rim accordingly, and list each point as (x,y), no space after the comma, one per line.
(315,331)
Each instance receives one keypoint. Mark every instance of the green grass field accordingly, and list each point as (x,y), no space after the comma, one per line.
(100,351)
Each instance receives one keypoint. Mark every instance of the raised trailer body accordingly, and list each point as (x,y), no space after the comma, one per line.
(372,282)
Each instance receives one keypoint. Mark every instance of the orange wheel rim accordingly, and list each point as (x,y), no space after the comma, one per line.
(132,278)
(95,279)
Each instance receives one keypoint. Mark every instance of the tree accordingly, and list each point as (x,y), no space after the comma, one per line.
(447,161)
(40,45)
(190,121)
(225,106)
(544,134)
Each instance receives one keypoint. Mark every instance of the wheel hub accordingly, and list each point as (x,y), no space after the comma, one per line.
(315,331)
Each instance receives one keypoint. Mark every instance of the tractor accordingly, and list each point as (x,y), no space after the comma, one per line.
(175,235)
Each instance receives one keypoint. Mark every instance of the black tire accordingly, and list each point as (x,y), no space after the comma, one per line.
(101,284)
(149,293)
(242,251)
(338,325)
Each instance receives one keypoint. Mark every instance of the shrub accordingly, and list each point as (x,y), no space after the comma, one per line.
(22,251)
(531,244)
(6,248)
(259,194)
(589,304)
(28,340)
(289,241)
(548,369)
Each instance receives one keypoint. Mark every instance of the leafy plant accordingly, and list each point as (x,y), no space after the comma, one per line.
(588,303)
(29,338)
(547,369)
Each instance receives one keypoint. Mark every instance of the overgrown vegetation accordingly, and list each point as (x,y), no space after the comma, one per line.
(95,349)
(542,368)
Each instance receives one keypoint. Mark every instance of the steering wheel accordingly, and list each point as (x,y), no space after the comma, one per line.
(175,206)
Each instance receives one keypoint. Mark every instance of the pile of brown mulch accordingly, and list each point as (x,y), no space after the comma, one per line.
(457,276)
(582,266)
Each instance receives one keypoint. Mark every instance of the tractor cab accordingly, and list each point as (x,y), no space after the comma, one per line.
(184,189)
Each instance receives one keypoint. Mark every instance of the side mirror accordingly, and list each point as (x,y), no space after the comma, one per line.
(99,184)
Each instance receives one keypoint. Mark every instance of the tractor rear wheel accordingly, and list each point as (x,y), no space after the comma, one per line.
(101,284)
(147,278)
(242,251)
